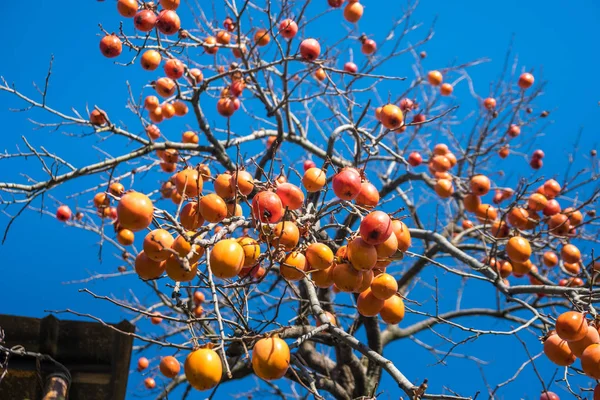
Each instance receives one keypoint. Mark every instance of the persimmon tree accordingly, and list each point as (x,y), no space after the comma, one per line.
(315,201)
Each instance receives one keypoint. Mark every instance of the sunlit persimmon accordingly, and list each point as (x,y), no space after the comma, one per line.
(353,11)
(189,137)
(226,258)
(590,361)
(486,213)
(111,46)
(435,78)
(251,250)
(392,312)
(446,89)
(557,350)
(285,234)
(293,266)
(262,37)
(571,326)
(156,115)
(570,253)
(165,87)
(178,271)
(288,28)
(213,208)
(147,268)
(189,182)
(145,20)
(168,111)
(559,225)
(135,211)
(444,188)
(575,216)
(361,254)
(320,74)
(183,247)
(168,22)
(199,297)
(368,196)
(127,8)
(518,249)
(223,37)
(319,256)
(525,80)
(291,196)
(150,60)
(376,227)
(551,188)
(384,286)
(346,184)
(471,203)
(242,181)
(499,229)
(489,103)
(157,244)
(150,383)
(520,269)
(537,202)
(203,369)
(517,217)
(314,179)
(592,337)
(267,207)
(572,268)
(368,305)
(190,216)
(480,185)
(391,116)
(552,207)
(181,108)
(125,237)
(440,163)
(270,358)
(323,278)
(169,367)
(142,363)
(346,277)
(222,185)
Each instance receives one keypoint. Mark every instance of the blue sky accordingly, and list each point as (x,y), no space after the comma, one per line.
(553,39)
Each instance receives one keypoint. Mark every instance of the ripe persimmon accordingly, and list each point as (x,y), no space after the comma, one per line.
(367,304)
(346,277)
(111,46)
(435,78)
(135,211)
(590,361)
(353,11)
(319,256)
(169,366)
(157,244)
(150,60)
(480,185)
(226,258)
(518,249)
(270,358)
(384,286)
(392,312)
(243,181)
(147,268)
(314,179)
(346,184)
(203,369)
(391,116)
(213,208)
(188,181)
(557,350)
(571,326)
(285,234)
(293,267)
(267,207)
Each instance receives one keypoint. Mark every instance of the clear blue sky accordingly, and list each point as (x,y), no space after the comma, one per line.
(40,253)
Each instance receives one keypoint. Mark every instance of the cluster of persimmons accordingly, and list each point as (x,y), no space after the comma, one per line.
(277,228)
